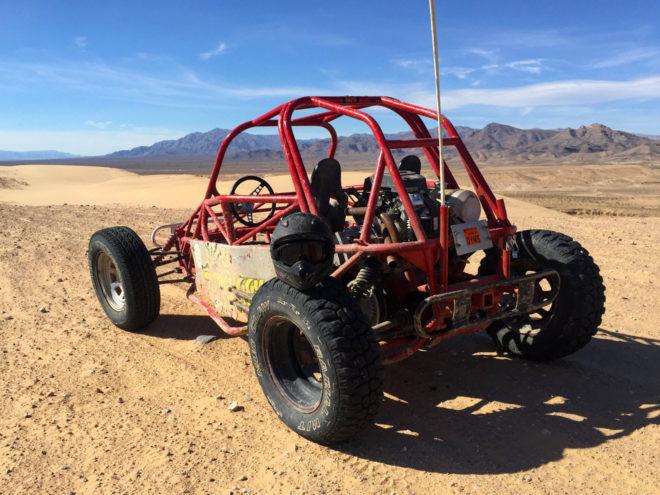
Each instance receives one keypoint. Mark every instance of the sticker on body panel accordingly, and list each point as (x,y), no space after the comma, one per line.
(221,269)
(470,237)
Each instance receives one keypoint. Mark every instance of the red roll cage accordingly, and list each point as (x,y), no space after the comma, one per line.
(427,254)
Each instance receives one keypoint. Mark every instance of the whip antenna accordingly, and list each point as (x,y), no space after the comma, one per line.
(436,68)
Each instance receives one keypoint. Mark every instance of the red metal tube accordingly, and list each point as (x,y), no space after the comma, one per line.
(399,247)
(217,221)
(271,221)
(408,349)
(347,265)
(296,168)
(365,235)
(312,123)
(211,189)
(427,254)
(227,215)
(246,198)
(333,139)
(221,322)
(386,153)
(432,154)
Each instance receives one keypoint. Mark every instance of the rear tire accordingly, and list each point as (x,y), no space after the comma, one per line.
(573,318)
(124,278)
(316,359)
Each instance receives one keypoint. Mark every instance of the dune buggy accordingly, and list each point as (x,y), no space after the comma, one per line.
(399,280)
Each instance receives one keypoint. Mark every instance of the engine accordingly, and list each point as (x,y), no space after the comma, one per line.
(464,206)
(372,283)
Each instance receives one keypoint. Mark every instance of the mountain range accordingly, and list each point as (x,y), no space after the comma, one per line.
(495,143)
(34,155)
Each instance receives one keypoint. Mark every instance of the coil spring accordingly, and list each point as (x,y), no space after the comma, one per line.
(365,277)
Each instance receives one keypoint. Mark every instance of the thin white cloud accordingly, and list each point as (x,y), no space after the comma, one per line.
(627,57)
(425,66)
(571,92)
(533,66)
(490,55)
(185,89)
(559,93)
(417,64)
(220,48)
(98,124)
(460,72)
(80,41)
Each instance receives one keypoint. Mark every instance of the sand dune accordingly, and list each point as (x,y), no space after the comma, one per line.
(46,184)
(58,184)
(87,408)
(589,189)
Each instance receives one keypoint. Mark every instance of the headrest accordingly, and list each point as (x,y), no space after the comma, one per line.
(411,163)
(326,176)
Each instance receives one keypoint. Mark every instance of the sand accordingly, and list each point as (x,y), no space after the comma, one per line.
(608,190)
(88,408)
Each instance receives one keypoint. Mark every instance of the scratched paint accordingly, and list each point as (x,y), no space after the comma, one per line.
(221,268)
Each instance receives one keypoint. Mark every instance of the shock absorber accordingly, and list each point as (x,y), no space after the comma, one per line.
(365,278)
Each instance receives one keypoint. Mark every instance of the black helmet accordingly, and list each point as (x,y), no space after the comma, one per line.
(302,249)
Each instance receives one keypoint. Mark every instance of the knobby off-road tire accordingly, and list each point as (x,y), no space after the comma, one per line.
(316,359)
(569,323)
(124,278)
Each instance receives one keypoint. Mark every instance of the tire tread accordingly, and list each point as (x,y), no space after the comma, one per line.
(585,306)
(353,348)
(141,283)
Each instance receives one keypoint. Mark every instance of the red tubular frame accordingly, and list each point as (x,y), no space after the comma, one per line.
(430,255)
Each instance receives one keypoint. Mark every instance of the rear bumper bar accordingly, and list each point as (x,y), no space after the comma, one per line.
(515,296)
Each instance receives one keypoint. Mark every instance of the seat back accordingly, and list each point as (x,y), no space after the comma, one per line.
(326,185)
(411,163)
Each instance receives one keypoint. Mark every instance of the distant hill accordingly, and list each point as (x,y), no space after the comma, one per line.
(650,136)
(593,143)
(34,155)
(203,143)
(495,143)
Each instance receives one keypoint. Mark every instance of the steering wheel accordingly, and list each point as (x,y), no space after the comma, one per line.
(252,214)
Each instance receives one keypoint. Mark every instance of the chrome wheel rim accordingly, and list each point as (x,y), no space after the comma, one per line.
(110,282)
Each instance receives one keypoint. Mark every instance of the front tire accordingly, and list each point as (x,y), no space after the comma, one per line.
(573,318)
(124,278)
(316,359)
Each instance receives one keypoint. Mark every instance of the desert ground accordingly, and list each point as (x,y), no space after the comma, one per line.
(87,408)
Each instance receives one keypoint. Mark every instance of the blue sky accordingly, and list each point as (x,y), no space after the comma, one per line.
(93,77)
